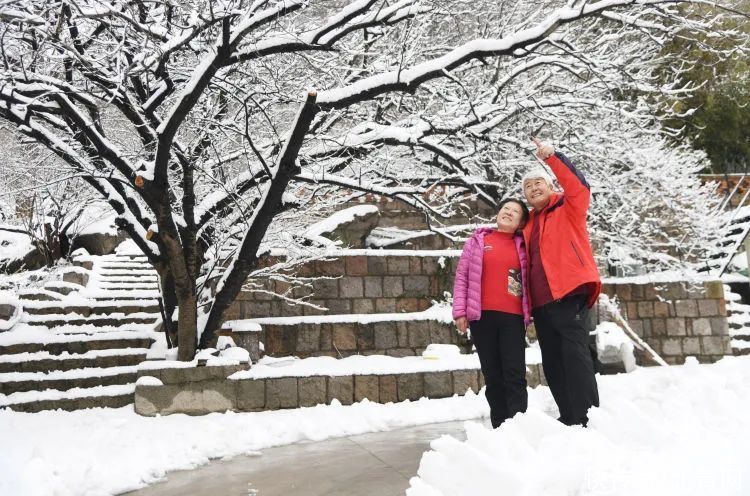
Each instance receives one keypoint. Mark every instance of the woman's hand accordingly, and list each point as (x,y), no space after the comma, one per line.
(462,323)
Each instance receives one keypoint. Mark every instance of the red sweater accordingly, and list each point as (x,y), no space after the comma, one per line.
(501,274)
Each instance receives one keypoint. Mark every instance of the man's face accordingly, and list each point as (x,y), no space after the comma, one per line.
(537,192)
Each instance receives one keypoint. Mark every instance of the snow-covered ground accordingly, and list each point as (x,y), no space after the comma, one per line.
(666,431)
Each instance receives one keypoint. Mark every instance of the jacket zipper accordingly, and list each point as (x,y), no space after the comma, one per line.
(576,252)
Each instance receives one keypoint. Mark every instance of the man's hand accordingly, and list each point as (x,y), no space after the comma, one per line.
(462,323)
(543,150)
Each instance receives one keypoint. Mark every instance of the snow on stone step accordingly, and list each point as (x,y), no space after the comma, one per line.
(57,344)
(113,319)
(62,380)
(114,396)
(90,307)
(43,361)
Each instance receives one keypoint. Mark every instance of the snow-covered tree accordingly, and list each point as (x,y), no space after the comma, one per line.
(211,126)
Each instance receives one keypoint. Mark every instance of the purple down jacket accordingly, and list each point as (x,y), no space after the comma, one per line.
(467,285)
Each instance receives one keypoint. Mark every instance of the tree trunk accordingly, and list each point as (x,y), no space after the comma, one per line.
(187,328)
(169,300)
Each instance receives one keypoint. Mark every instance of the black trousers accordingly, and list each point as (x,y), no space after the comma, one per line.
(563,328)
(500,341)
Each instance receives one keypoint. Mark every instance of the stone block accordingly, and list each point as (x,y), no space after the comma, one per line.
(410,386)
(686,308)
(367,387)
(417,286)
(377,266)
(153,400)
(281,392)
(671,346)
(386,336)
(532,375)
(220,396)
(658,327)
(645,309)
(393,286)
(251,394)
(631,310)
(430,265)
(636,325)
(714,290)
(415,266)
(637,292)
(676,327)
(326,337)
(311,390)
(708,308)
(172,375)
(624,292)
(722,308)
(442,333)
(363,306)
(673,291)
(326,288)
(701,327)
(308,338)
(356,266)
(661,309)
(402,329)
(388,388)
(438,384)
(407,305)
(373,287)
(400,352)
(341,388)
(719,326)
(339,306)
(344,336)
(365,337)
(464,380)
(716,345)
(691,346)
(419,334)
(385,305)
(398,265)
(351,287)
(329,268)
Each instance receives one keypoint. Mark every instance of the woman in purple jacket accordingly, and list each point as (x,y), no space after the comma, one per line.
(489,295)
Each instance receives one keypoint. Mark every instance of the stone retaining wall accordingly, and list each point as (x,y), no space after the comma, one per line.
(342,339)
(198,392)
(356,284)
(677,319)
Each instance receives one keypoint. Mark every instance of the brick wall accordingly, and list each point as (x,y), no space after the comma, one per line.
(356,284)
(677,319)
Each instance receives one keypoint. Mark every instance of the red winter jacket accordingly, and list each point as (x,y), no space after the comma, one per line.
(565,249)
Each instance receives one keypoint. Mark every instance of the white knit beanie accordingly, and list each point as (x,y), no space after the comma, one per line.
(537,173)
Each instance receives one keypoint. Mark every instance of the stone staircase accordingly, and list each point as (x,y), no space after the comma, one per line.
(738,317)
(80,339)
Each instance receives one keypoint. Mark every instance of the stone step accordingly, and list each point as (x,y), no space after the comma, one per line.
(114,320)
(404,334)
(119,286)
(15,382)
(39,294)
(79,344)
(91,309)
(46,362)
(125,297)
(114,396)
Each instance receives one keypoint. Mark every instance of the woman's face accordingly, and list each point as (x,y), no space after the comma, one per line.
(509,217)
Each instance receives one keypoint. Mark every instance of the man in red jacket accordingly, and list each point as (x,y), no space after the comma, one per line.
(563,282)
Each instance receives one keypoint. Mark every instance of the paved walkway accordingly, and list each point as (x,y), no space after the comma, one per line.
(378,464)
